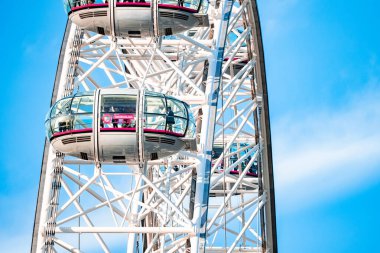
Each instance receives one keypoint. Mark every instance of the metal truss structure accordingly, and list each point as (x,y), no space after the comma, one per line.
(189,202)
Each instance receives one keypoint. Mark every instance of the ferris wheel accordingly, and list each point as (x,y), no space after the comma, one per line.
(158,136)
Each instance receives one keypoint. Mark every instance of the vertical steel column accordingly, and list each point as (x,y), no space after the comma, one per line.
(213,84)
(133,237)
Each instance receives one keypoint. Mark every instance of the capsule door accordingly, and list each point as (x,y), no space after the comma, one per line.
(117,127)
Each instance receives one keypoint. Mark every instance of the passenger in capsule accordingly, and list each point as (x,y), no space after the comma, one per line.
(62,126)
(64,123)
(114,121)
(79,3)
(170,119)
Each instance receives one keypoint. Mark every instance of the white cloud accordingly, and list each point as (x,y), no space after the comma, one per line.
(327,153)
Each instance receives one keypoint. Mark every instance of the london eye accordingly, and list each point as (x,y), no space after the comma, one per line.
(158,135)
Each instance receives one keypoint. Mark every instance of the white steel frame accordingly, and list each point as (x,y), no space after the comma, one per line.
(186,202)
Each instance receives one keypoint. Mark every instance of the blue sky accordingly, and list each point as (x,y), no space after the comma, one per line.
(323,69)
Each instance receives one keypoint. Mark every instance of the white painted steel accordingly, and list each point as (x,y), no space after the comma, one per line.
(190,201)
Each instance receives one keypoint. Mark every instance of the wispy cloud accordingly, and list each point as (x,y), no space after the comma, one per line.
(329,152)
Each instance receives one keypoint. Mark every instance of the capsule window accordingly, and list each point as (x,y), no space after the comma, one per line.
(69,4)
(190,133)
(48,129)
(154,121)
(178,127)
(198,5)
(155,113)
(82,121)
(177,107)
(118,111)
(83,104)
(119,104)
(155,105)
(62,123)
(62,107)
